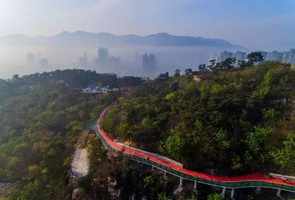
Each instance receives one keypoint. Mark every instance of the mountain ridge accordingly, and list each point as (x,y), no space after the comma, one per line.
(109,39)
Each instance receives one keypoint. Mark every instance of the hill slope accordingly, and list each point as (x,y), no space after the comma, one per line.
(239,120)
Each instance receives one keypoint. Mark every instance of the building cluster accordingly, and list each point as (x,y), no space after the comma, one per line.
(239,55)
(94,89)
(103,58)
(285,57)
(37,60)
(83,61)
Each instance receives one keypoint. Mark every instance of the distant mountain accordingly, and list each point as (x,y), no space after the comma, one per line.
(107,39)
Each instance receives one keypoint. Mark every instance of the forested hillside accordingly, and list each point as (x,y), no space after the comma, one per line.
(241,120)
(41,117)
(225,122)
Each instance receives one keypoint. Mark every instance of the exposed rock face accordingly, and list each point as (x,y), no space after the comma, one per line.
(80,164)
(78,194)
(5,189)
(79,168)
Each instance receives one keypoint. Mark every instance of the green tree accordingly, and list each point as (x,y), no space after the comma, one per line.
(214,197)
(255,57)
(162,196)
(285,157)
(174,145)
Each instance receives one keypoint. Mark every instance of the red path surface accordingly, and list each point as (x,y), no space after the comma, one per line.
(173,165)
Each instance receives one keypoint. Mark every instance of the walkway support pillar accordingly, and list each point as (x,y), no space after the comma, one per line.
(232,194)
(180,182)
(223,192)
(195,185)
(179,188)
(165,174)
(279,193)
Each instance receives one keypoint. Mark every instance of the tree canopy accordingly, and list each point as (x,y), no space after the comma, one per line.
(239,120)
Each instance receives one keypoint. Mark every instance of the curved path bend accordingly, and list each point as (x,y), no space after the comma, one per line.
(257,180)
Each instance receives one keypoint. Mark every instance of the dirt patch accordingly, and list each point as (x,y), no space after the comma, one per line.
(80,163)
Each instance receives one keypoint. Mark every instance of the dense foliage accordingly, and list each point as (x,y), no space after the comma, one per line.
(39,123)
(238,120)
(71,78)
(231,122)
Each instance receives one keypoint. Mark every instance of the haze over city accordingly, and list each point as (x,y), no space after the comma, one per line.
(253,25)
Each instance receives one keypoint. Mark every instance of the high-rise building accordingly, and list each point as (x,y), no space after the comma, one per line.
(292,56)
(275,56)
(149,62)
(83,61)
(114,60)
(31,58)
(102,55)
(44,62)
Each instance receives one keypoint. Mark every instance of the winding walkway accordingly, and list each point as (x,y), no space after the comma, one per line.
(169,166)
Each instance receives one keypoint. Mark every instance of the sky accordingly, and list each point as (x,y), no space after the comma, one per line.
(254,24)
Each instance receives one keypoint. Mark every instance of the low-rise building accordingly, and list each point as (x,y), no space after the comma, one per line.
(99,90)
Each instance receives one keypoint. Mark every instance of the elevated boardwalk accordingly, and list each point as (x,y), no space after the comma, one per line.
(257,180)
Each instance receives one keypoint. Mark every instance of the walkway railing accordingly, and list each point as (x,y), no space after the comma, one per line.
(174,168)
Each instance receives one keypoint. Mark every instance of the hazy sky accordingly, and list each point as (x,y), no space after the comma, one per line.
(252,23)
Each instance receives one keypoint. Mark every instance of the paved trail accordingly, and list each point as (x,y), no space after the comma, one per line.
(257,180)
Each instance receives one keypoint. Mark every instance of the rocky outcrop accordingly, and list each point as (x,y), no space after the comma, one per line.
(5,189)
(80,163)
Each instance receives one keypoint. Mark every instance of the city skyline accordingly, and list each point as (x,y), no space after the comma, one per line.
(268,26)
